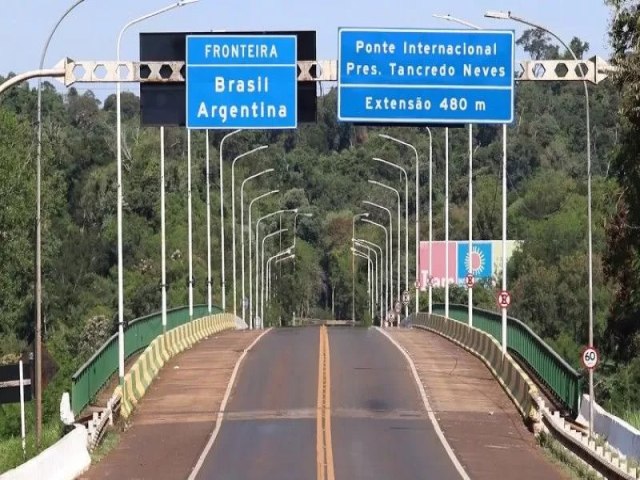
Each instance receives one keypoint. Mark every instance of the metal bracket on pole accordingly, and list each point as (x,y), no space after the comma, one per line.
(595,71)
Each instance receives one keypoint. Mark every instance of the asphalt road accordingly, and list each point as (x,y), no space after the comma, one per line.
(378,426)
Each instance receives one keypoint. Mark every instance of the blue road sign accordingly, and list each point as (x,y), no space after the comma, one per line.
(425,76)
(241,81)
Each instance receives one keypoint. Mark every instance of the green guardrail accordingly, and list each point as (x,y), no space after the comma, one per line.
(563,381)
(96,371)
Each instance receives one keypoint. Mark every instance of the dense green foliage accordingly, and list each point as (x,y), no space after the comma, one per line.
(323,169)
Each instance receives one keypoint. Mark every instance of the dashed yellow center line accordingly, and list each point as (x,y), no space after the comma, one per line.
(324,450)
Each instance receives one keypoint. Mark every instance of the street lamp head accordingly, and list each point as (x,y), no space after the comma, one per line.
(182,3)
(498,14)
(308,215)
(268,170)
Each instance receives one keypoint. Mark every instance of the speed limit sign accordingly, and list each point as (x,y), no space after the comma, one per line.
(590,358)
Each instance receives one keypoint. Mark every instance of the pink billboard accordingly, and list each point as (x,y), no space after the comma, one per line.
(438,272)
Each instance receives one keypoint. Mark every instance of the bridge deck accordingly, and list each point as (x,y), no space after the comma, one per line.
(478,419)
(177,414)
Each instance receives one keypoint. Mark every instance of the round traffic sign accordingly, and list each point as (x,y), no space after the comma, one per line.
(417,284)
(469,280)
(406,298)
(398,307)
(504,299)
(590,358)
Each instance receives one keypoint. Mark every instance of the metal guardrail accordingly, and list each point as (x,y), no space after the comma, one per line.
(96,371)
(561,379)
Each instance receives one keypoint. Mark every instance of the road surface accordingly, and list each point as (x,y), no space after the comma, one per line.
(325,403)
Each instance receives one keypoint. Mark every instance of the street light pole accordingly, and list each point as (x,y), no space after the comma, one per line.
(366,256)
(119,181)
(381,276)
(398,297)
(262,272)
(190,223)
(233,225)
(38,329)
(257,253)
(510,16)
(163,236)
(222,250)
(366,202)
(375,289)
(430,224)
(388,250)
(406,228)
(259,197)
(353,266)
(470,253)
(207,160)
(415,152)
(446,222)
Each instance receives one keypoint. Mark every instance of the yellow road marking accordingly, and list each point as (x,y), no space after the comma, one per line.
(324,449)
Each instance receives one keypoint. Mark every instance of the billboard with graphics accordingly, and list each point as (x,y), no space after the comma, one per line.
(485,261)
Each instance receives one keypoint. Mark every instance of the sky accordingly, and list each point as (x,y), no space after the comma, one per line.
(91,30)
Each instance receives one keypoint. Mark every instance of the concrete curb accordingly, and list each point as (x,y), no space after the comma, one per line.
(161,349)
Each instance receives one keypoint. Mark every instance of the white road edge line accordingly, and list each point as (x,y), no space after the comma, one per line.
(223,405)
(425,400)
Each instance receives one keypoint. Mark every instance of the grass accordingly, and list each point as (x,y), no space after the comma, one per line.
(11,454)
(632,417)
(559,455)
(108,443)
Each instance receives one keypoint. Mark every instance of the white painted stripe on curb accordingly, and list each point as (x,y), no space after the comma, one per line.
(223,405)
(425,400)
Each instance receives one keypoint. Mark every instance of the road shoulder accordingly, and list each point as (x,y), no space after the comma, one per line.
(478,419)
(175,418)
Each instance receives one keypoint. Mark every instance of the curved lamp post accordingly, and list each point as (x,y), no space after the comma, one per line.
(415,152)
(388,249)
(259,197)
(223,290)
(406,227)
(233,221)
(390,256)
(38,329)
(382,275)
(257,253)
(262,272)
(390,188)
(510,16)
(353,265)
(119,180)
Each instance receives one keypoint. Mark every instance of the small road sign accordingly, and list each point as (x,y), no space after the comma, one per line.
(504,299)
(417,284)
(241,81)
(469,280)
(590,358)
(406,298)
(398,307)
(425,76)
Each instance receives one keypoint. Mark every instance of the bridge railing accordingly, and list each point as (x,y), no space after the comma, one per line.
(96,371)
(560,378)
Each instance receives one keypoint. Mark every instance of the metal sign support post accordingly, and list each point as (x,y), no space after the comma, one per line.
(22,427)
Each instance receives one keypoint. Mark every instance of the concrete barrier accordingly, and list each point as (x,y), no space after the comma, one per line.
(161,349)
(507,372)
(618,433)
(65,460)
